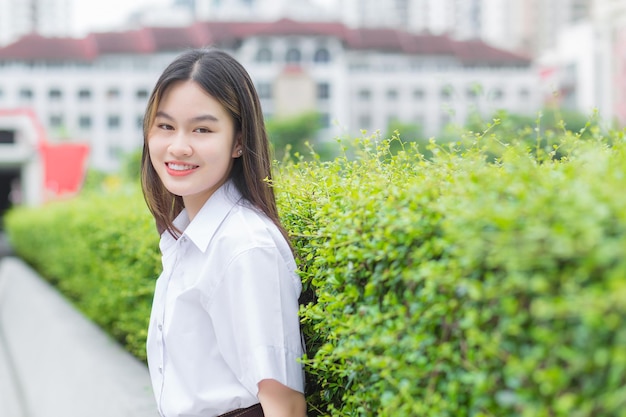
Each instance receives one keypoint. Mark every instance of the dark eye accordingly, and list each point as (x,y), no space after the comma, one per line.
(202,130)
(165,126)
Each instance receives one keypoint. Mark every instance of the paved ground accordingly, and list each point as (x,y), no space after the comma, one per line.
(56,363)
(11,399)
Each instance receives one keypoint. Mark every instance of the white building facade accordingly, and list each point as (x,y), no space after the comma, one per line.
(95,89)
(100,104)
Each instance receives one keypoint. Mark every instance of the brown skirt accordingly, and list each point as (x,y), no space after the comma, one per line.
(254,411)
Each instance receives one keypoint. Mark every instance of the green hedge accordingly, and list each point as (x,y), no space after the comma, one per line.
(489,280)
(101,252)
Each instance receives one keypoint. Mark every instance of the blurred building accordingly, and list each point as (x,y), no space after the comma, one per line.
(95,89)
(584,69)
(21,168)
(546,20)
(256,10)
(527,26)
(45,17)
(609,55)
(432,16)
(33,170)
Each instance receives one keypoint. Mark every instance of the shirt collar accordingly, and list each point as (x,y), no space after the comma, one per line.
(204,225)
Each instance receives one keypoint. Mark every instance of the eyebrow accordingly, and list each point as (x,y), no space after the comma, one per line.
(201,118)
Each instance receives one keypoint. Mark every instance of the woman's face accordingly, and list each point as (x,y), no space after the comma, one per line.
(192,144)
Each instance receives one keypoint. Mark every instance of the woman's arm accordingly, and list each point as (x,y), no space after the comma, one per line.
(279,400)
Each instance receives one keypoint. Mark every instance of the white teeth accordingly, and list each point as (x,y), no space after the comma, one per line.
(179,167)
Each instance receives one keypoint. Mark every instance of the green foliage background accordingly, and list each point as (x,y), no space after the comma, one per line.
(294,135)
(486,280)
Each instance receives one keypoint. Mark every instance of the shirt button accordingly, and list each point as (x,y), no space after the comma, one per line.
(160,327)
(160,369)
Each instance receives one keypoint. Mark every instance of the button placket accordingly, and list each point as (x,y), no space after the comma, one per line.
(161,322)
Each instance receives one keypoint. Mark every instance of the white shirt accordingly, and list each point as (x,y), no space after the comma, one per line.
(225,311)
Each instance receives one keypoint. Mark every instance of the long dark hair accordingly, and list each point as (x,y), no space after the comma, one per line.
(226,80)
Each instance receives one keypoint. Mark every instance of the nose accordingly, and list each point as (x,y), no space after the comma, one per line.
(180,145)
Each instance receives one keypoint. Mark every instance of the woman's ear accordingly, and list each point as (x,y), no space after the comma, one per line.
(238,148)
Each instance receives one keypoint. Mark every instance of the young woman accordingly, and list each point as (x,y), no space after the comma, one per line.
(224,332)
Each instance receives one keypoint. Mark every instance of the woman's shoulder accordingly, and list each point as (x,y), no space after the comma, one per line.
(247,233)
(250,227)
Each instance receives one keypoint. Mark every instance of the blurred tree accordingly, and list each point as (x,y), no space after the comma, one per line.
(409,132)
(550,119)
(131,166)
(293,133)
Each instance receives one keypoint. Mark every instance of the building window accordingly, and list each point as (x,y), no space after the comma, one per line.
(26,94)
(419,94)
(524,93)
(55,94)
(388,66)
(416,66)
(115,152)
(265,91)
(446,92)
(84,122)
(7,137)
(139,122)
(359,67)
(55,120)
(1,93)
(114,122)
(392,94)
(498,94)
(113,93)
(473,91)
(323,91)
(141,63)
(141,94)
(365,94)
(293,56)
(84,94)
(365,122)
(264,55)
(321,56)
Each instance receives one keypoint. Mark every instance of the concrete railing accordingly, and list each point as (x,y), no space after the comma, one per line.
(56,363)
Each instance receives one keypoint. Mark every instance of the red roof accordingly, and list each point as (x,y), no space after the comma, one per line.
(133,41)
(227,34)
(478,52)
(286,27)
(35,46)
(174,39)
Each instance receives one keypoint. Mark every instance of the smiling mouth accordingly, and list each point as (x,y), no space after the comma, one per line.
(180,167)
(177,169)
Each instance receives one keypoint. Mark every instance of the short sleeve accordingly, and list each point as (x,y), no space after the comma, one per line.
(254,311)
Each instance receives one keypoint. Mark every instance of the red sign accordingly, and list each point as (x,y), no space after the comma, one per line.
(64,164)
(64,167)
